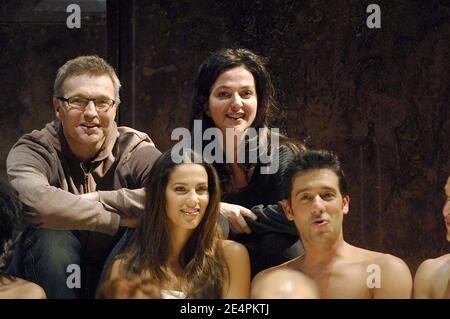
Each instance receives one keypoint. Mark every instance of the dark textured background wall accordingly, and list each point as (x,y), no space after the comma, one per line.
(378,97)
(34,42)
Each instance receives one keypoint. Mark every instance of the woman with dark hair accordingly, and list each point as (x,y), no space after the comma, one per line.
(177,244)
(233,92)
(10,218)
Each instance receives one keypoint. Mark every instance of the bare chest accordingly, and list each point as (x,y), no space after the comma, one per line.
(346,282)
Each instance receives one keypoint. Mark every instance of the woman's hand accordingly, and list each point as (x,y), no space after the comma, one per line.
(235,215)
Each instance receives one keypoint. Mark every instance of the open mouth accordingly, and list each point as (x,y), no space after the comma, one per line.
(320,222)
(190,212)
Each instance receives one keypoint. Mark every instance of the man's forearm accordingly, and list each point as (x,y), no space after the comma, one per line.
(51,207)
(124,201)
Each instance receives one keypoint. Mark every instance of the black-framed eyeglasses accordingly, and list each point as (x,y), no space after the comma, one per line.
(80,103)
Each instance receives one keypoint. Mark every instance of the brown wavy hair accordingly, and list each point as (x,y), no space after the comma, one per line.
(224,60)
(217,63)
(202,258)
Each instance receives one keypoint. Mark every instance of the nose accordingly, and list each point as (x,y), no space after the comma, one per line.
(192,199)
(446,209)
(317,205)
(90,110)
(236,102)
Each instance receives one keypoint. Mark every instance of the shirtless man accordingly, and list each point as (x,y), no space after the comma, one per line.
(284,284)
(317,202)
(432,278)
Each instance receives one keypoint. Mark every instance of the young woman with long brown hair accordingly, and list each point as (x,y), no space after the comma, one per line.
(177,243)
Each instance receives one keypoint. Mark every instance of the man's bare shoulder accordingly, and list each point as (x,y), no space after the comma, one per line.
(437,265)
(391,261)
(432,279)
(289,265)
(443,260)
(394,276)
(381,259)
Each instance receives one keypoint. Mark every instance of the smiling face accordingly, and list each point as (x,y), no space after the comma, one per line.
(233,102)
(317,205)
(446,209)
(85,131)
(187,196)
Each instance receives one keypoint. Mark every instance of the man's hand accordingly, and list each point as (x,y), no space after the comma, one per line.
(235,216)
(129,221)
(90,196)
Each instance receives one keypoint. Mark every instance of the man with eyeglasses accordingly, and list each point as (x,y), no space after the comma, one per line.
(81,152)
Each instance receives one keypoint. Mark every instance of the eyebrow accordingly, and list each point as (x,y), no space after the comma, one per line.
(184,184)
(85,97)
(306,189)
(229,87)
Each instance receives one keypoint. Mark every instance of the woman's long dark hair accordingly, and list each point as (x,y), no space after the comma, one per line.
(217,63)
(202,258)
(11,218)
(221,61)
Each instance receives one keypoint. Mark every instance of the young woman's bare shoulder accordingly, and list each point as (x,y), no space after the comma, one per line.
(17,288)
(234,252)
(231,247)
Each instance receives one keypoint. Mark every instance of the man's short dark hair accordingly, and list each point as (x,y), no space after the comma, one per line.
(313,159)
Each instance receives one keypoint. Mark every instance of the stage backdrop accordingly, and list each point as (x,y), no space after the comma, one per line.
(378,97)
